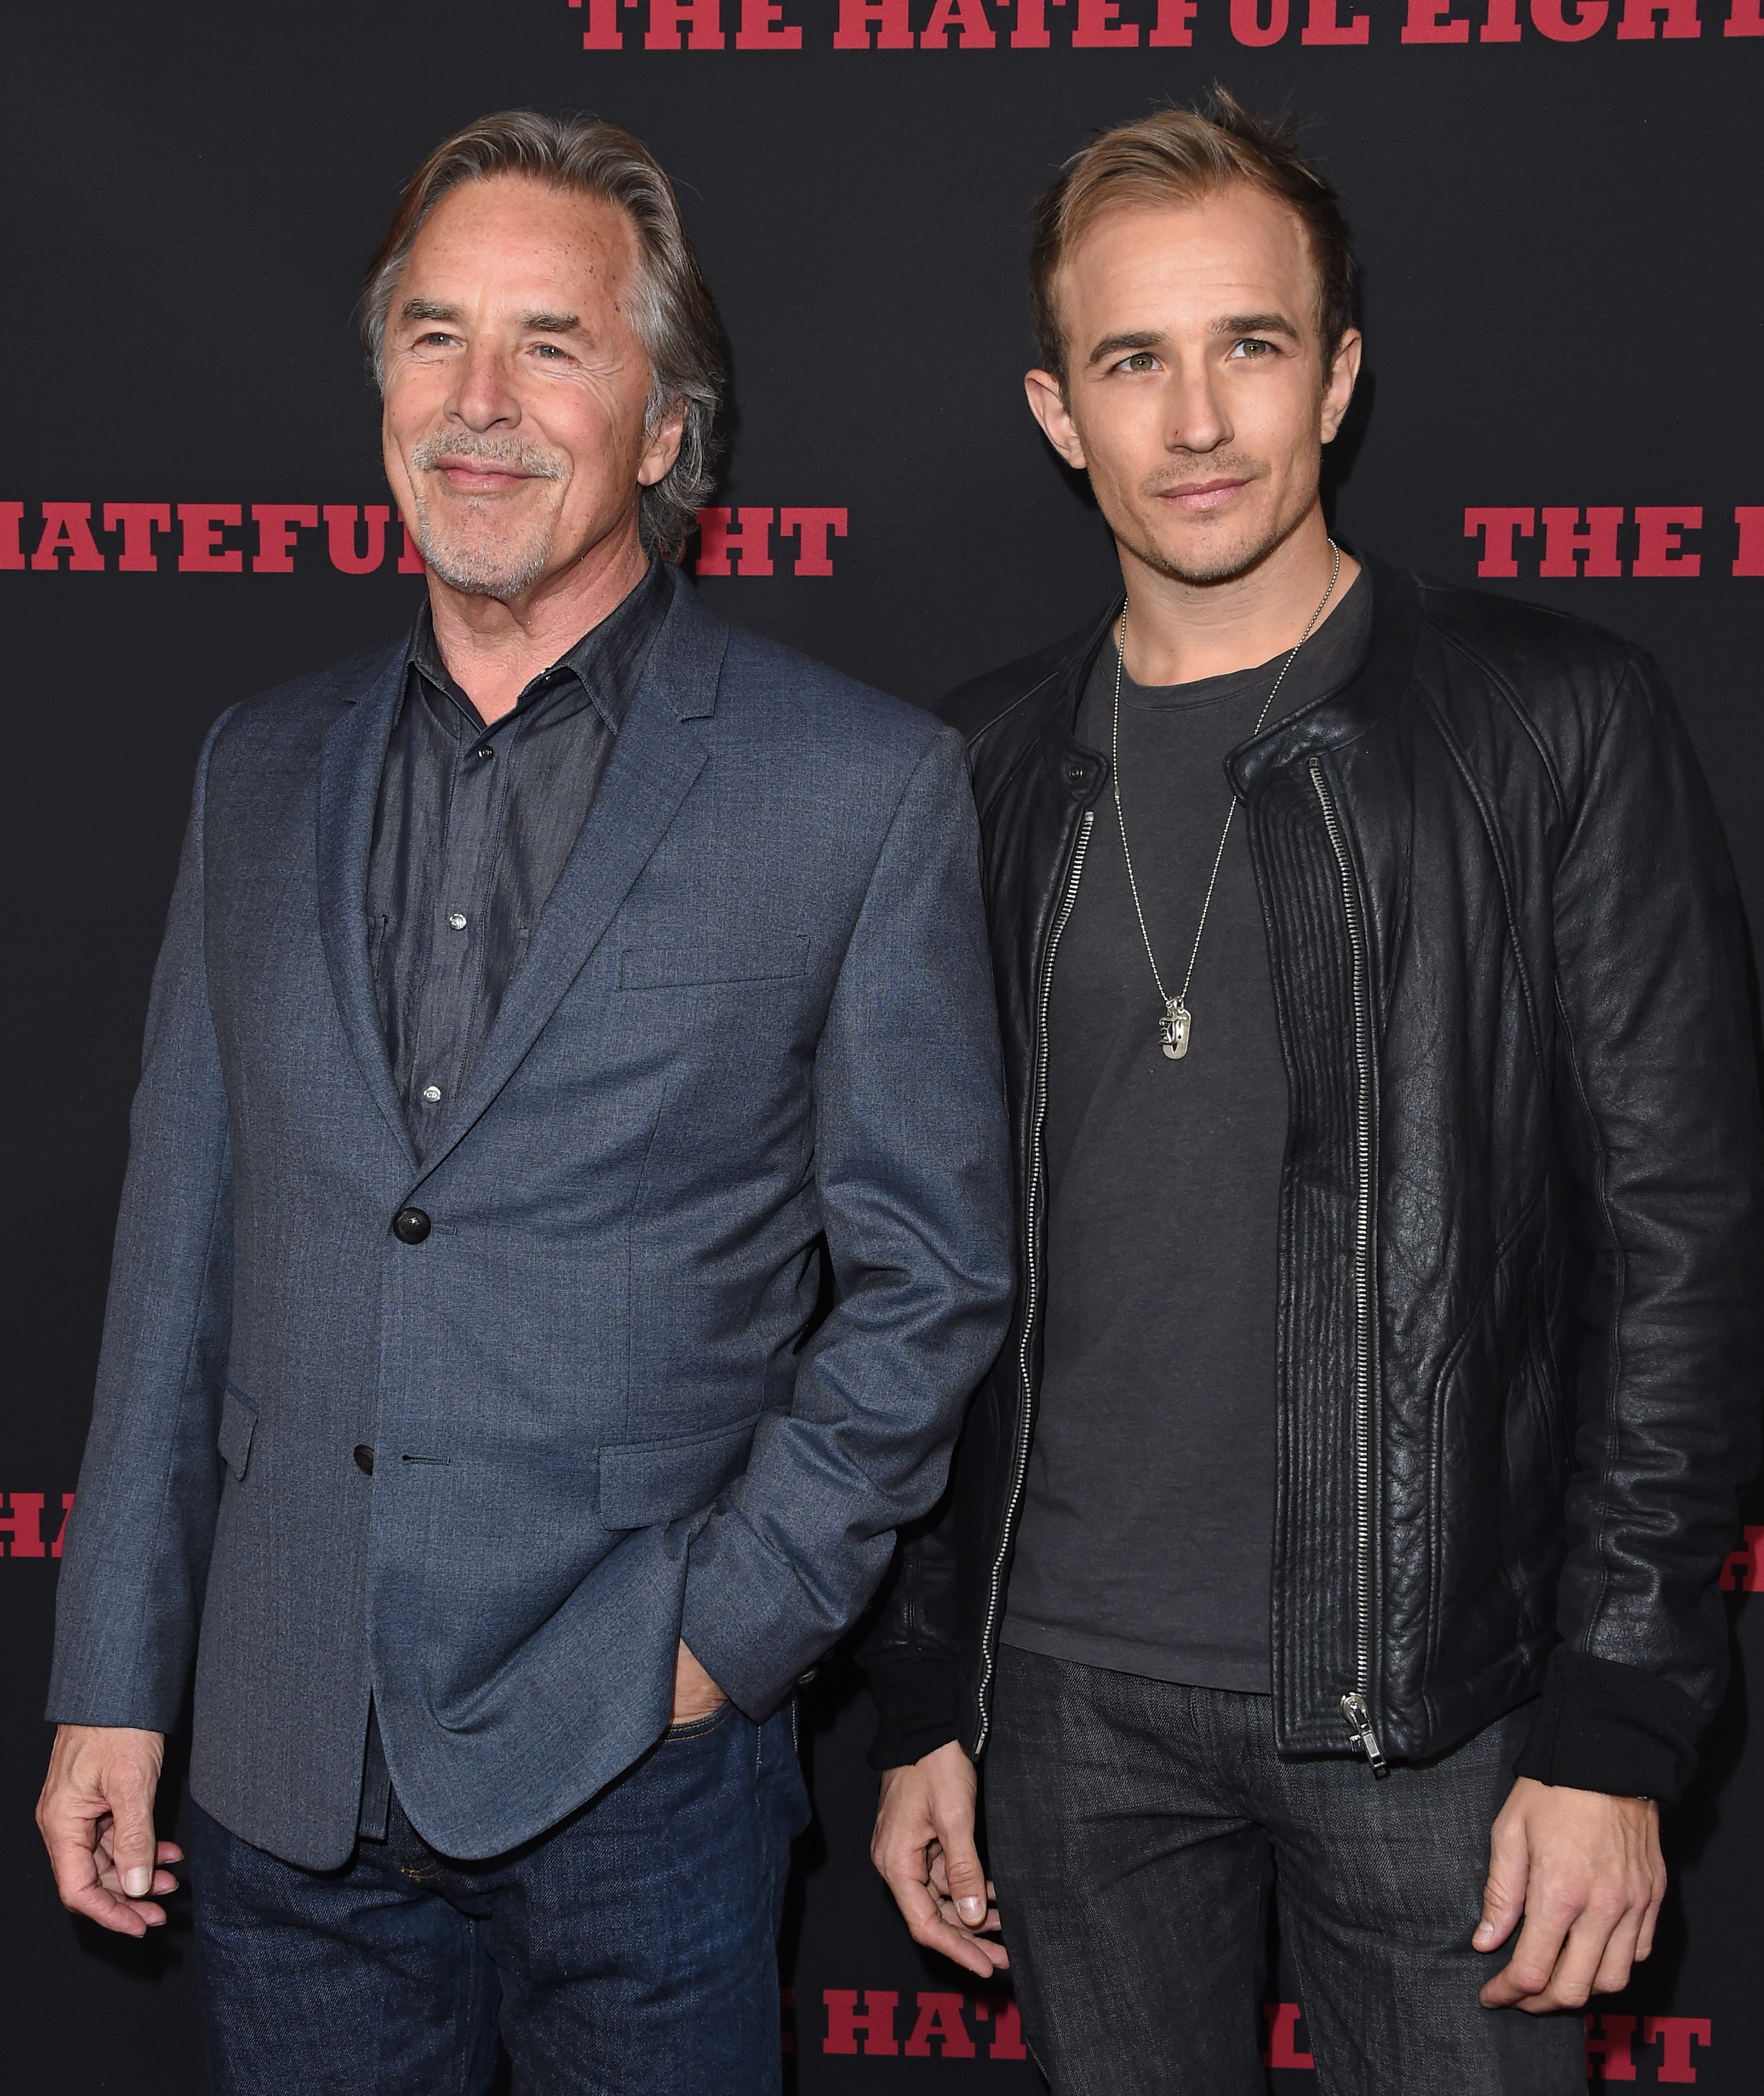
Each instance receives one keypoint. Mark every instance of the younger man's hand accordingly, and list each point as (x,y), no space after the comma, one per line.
(924,1845)
(1585,1870)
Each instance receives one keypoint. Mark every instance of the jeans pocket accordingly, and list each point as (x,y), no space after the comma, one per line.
(696,1728)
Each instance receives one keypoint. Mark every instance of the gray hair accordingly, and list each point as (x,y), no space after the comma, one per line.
(673,313)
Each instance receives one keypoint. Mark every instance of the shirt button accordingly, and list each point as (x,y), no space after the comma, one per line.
(432,1094)
(457,918)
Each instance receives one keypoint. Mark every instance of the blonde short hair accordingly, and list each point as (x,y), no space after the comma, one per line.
(1180,157)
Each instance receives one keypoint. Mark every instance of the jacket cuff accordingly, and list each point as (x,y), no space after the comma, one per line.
(919,1703)
(1603,1725)
(746,1618)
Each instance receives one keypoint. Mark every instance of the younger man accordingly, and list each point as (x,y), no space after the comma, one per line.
(1387,1123)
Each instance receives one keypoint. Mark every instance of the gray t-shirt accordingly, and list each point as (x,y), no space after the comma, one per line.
(1147,1526)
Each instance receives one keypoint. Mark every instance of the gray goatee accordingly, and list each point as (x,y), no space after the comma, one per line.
(498,571)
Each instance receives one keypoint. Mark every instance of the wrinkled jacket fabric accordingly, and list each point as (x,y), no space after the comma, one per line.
(1520,1340)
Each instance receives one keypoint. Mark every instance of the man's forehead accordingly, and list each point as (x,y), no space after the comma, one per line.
(528,218)
(1215,247)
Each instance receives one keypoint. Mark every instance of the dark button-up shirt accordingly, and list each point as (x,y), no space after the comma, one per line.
(473,826)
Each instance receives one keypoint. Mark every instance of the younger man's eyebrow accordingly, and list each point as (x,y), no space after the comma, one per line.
(1255,324)
(1124,344)
(1112,345)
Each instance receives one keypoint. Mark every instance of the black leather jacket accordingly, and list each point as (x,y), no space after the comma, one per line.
(1520,1338)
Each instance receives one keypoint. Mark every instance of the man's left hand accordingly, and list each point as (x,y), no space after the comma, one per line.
(696,1695)
(1585,1872)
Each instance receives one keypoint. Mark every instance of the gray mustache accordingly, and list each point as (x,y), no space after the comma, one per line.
(490,450)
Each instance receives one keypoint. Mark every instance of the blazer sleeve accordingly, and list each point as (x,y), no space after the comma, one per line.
(135,1555)
(912,1167)
(1660,1136)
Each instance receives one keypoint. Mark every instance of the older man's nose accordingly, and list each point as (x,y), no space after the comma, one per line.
(483,397)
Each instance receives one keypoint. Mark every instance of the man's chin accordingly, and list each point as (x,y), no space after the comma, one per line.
(484,571)
(475,582)
(1199,565)
(1200,556)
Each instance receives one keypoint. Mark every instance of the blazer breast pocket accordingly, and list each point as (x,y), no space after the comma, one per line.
(700,965)
(644,1483)
(238,1422)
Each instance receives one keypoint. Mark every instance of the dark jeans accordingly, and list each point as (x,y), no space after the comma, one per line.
(1132,1825)
(630,1949)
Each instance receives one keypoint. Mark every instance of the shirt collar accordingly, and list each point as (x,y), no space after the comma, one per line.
(603,669)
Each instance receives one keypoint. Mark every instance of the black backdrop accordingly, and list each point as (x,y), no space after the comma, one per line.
(1557,204)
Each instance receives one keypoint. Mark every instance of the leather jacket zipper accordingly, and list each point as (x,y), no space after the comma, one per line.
(1031,1279)
(1356,1705)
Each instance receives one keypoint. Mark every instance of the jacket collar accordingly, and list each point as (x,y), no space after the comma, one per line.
(1079,771)
(1325,723)
(1340,716)
(602,669)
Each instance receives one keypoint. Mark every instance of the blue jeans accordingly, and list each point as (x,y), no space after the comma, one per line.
(1133,1825)
(631,1950)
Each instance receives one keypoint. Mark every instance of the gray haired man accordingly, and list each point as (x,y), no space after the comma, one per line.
(548,1002)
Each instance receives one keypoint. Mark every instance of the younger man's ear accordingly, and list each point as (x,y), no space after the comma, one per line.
(1047,404)
(1338,388)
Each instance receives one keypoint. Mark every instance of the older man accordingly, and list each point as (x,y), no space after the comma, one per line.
(555,1005)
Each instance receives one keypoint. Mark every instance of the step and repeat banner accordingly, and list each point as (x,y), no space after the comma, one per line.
(1558,206)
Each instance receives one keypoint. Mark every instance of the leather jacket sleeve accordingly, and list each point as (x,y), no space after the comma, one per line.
(1659,1138)
(913,1675)
(927,1644)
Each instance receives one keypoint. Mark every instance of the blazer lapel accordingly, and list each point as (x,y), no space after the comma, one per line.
(656,758)
(350,759)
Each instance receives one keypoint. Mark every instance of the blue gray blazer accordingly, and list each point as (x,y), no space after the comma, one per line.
(757,1007)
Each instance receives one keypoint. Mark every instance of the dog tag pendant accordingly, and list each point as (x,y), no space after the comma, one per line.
(1173,1030)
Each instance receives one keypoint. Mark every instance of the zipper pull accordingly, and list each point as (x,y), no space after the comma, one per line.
(1359,1720)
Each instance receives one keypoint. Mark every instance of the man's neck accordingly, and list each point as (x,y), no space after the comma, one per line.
(494,648)
(1178,632)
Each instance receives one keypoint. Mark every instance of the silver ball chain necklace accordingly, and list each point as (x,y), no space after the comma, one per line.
(1176,1027)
